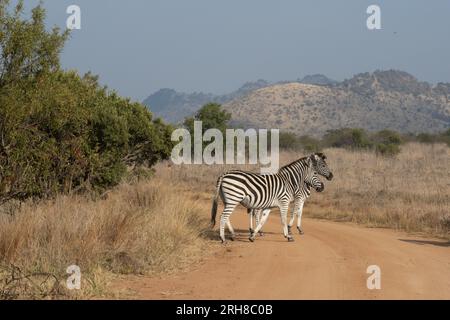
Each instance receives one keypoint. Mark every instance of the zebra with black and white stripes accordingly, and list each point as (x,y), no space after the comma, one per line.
(297,211)
(259,191)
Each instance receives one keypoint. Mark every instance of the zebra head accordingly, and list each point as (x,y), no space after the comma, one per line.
(312,180)
(320,166)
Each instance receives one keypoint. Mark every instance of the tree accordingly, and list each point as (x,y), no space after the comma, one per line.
(354,138)
(60,132)
(27,49)
(212,116)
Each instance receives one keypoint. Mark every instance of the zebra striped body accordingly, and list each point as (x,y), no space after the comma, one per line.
(301,196)
(256,191)
(297,210)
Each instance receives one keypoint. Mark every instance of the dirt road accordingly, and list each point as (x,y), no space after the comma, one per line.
(328,262)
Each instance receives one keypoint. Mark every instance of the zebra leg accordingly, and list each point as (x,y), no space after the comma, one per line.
(265,215)
(284,212)
(295,209)
(230,228)
(250,216)
(227,211)
(299,219)
(291,222)
(258,219)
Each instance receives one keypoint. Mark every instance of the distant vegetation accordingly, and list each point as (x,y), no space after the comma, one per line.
(212,116)
(384,142)
(60,132)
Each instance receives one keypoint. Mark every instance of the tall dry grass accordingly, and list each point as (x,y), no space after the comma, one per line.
(159,224)
(409,192)
(143,228)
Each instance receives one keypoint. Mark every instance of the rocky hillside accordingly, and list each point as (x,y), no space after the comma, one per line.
(374,101)
(174,106)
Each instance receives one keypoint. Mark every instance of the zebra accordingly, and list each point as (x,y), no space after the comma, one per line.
(257,191)
(300,198)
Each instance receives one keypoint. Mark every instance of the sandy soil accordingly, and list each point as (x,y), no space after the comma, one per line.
(328,262)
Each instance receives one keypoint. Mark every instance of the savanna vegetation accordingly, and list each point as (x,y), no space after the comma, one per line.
(61,132)
(65,142)
(384,142)
(73,154)
(409,191)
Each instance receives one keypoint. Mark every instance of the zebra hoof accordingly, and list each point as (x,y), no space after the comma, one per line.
(290,239)
(252,239)
(233,237)
(300,231)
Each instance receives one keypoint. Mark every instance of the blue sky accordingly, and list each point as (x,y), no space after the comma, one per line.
(140,46)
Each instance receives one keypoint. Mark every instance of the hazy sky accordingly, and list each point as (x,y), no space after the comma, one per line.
(140,46)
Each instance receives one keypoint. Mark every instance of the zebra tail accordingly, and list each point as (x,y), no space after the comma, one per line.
(215,202)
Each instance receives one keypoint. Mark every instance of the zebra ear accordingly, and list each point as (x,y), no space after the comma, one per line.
(321,155)
(312,159)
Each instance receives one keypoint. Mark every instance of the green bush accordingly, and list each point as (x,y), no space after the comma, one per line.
(446,137)
(387,142)
(387,137)
(60,132)
(426,138)
(212,116)
(443,137)
(352,138)
(388,149)
(289,141)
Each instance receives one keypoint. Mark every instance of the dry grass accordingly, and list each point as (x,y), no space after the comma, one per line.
(142,228)
(158,225)
(409,192)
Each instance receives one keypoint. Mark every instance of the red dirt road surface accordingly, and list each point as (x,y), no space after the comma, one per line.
(328,262)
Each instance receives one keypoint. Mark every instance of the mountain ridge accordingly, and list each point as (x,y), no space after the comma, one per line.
(389,99)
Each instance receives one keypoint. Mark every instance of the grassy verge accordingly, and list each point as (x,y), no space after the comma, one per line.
(143,228)
(159,225)
(409,192)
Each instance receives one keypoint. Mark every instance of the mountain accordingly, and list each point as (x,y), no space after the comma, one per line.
(318,79)
(174,106)
(380,100)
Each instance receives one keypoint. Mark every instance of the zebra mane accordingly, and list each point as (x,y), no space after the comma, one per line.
(294,162)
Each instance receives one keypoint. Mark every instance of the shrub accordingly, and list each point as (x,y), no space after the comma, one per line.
(388,149)
(352,138)
(310,144)
(426,138)
(387,142)
(61,132)
(289,141)
(212,116)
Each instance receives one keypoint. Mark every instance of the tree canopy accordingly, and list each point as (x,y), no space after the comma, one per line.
(59,131)
(212,116)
